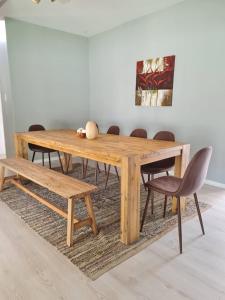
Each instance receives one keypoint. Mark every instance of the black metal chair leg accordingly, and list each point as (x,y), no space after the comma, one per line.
(33,156)
(107,177)
(49,160)
(165,204)
(85,168)
(179,224)
(199,213)
(167,173)
(96,172)
(60,161)
(143,180)
(117,174)
(43,159)
(105,168)
(98,168)
(152,202)
(145,209)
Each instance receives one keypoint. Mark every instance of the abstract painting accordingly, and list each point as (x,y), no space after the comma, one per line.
(154,83)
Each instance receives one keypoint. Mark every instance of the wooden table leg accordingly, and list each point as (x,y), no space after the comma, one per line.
(70,225)
(67,162)
(181,164)
(130,200)
(2,177)
(21,147)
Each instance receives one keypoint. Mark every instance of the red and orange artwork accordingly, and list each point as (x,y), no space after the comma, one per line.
(154,84)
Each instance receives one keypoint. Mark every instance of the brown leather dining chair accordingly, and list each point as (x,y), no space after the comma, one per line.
(191,183)
(42,150)
(161,166)
(115,130)
(140,133)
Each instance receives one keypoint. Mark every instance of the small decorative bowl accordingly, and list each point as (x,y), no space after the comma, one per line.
(81,135)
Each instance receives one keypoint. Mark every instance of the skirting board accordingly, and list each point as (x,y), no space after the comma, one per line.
(215,183)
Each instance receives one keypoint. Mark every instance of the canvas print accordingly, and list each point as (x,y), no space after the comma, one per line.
(154,83)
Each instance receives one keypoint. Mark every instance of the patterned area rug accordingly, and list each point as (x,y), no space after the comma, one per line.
(93,255)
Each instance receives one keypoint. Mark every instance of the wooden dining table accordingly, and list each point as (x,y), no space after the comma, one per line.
(127,153)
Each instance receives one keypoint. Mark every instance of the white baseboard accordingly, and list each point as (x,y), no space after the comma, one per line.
(215,183)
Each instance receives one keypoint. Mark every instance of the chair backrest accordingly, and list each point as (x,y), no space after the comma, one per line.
(140,133)
(114,130)
(164,136)
(167,163)
(195,173)
(36,127)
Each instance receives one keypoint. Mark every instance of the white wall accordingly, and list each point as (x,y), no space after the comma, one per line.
(194,31)
(52,78)
(49,75)
(6,104)
(2,133)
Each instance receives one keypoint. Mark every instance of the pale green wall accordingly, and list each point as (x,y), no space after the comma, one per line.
(49,74)
(195,32)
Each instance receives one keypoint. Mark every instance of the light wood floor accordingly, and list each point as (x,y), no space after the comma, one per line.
(30,268)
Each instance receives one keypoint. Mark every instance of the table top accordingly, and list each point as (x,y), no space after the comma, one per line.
(105,147)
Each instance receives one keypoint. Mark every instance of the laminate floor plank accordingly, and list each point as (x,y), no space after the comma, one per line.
(30,268)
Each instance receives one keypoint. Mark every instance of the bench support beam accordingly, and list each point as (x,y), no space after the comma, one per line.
(72,223)
(69,188)
(38,198)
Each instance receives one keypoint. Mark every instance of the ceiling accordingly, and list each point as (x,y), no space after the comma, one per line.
(83,17)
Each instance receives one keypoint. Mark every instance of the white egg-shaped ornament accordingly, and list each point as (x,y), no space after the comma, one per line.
(91,130)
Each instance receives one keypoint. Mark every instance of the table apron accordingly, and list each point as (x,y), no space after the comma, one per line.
(140,160)
(92,156)
(149,158)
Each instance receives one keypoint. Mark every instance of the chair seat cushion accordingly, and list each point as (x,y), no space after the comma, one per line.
(166,184)
(37,148)
(147,169)
(158,166)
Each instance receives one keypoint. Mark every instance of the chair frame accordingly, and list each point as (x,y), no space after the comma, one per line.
(41,127)
(200,161)
(160,135)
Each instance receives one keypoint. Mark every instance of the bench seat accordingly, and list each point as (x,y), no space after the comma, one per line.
(67,187)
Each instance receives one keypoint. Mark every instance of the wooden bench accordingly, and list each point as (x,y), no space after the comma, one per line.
(69,188)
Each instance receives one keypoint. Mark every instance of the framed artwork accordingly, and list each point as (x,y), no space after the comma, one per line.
(154,81)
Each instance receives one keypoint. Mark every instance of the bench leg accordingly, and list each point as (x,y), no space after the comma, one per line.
(2,177)
(89,206)
(70,225)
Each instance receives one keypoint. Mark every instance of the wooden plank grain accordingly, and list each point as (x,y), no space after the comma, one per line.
(105,148)
(130,201)
(61,184)
(181,163)
(128,153)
